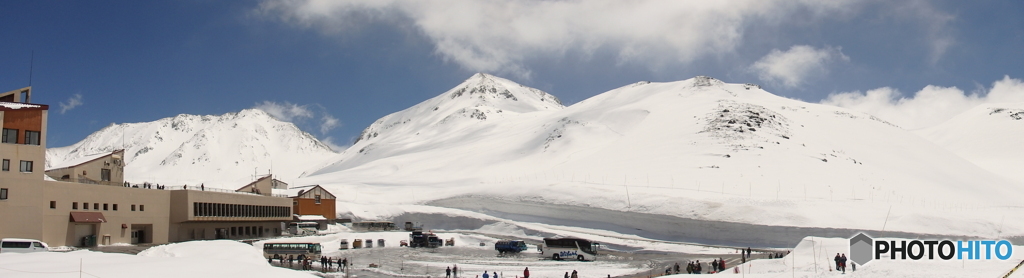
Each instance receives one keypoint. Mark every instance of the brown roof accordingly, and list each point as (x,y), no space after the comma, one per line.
(87,217)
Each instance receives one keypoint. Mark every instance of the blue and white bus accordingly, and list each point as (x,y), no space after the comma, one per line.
(296,250)
(570,248)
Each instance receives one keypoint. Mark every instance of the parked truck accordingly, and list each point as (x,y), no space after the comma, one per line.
(510,246)
(421,239)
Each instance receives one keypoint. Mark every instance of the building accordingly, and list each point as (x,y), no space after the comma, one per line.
(313,202)
(85,202)
(105,168)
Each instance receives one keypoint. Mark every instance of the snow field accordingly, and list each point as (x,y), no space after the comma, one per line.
(190,259)
(813,257)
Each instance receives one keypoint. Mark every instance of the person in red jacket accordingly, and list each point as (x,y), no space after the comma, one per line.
(526,273)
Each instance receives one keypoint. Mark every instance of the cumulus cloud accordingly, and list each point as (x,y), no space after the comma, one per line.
(71,103)
(328,122)
(930,106)
(791,67)
(500,35)
(287,111)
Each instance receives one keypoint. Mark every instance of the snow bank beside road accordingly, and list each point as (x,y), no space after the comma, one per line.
(224,250)
(190,261)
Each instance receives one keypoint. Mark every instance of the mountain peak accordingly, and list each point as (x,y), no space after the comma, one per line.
(479,98)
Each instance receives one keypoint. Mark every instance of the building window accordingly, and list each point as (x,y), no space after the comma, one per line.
(85,206)
(142,207)
(7,165)
(31,137)
(133,207)
(317,198)
(53,204)
(3,193)
(95,206)
(105,207)
(10,136)
(115,207)
(26,166)
(105,174)
(74,205)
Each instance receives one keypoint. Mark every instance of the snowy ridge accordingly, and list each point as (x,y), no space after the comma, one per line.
(987,135)
(698,149)
(223,150)
(478,102)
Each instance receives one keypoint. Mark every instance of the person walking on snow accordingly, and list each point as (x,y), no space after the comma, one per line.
(842,262)
(573,274)
(526,273)
(448,272)
(837,261)
(485,274)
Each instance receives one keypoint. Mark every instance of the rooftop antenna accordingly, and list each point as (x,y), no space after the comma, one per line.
(31,63)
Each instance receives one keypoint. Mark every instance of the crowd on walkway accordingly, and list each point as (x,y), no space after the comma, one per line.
(327,264)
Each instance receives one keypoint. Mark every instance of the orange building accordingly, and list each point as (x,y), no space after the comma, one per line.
(314,201)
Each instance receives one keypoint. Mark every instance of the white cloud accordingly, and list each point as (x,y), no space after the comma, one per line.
(791,67)
(329,141)
(287,111)
(935,24)
(500,35)
(927,107)
(71,103)
(328,122)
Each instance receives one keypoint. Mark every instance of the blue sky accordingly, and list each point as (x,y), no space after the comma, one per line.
(333,67)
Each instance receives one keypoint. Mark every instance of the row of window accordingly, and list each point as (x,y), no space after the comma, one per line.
(11,136)
(236,210)
(26,166)
(96,206)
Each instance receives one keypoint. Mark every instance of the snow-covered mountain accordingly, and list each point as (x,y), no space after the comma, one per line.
(478,102)
(988,135)
(693,149)
(220,151)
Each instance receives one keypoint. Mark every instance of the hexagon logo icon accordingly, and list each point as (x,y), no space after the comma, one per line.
(860,249)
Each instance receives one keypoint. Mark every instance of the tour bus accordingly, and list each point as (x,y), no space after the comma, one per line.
(297,250)
(570,248)
(303,228)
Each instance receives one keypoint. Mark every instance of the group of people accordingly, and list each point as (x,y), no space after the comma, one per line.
(144,185)
(451,270)
(326,263)
(777,255)
(454,271)
(841,263)
(696,267)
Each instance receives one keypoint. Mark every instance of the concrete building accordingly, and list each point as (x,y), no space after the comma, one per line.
(102,168)
(87,199)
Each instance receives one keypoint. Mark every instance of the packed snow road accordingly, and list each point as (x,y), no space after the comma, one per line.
(472,259)
(472,262)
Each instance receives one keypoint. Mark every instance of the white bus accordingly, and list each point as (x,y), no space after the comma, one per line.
(303,228)
(570,248)
(296,250)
